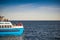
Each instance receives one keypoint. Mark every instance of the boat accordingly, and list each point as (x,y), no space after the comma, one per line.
(8,29)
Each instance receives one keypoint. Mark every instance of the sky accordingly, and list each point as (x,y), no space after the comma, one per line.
(30,9)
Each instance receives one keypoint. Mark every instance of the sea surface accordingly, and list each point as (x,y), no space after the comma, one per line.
(38,30)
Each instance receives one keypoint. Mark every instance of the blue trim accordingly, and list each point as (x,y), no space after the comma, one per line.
(18,33)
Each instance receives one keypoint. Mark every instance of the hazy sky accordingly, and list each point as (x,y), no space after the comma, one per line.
(30,10)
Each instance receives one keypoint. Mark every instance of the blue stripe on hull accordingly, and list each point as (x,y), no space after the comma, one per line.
(18,33)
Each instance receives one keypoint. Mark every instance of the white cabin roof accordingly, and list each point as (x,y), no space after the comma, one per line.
(5,23)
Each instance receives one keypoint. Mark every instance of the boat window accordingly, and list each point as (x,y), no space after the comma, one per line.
(7,23)
(7,26)
(1,23)
(10,26)
(2,26)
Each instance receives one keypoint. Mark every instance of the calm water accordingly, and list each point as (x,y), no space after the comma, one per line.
(40,30)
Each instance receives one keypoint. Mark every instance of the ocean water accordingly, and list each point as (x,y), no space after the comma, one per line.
(38,30)
(41,30)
